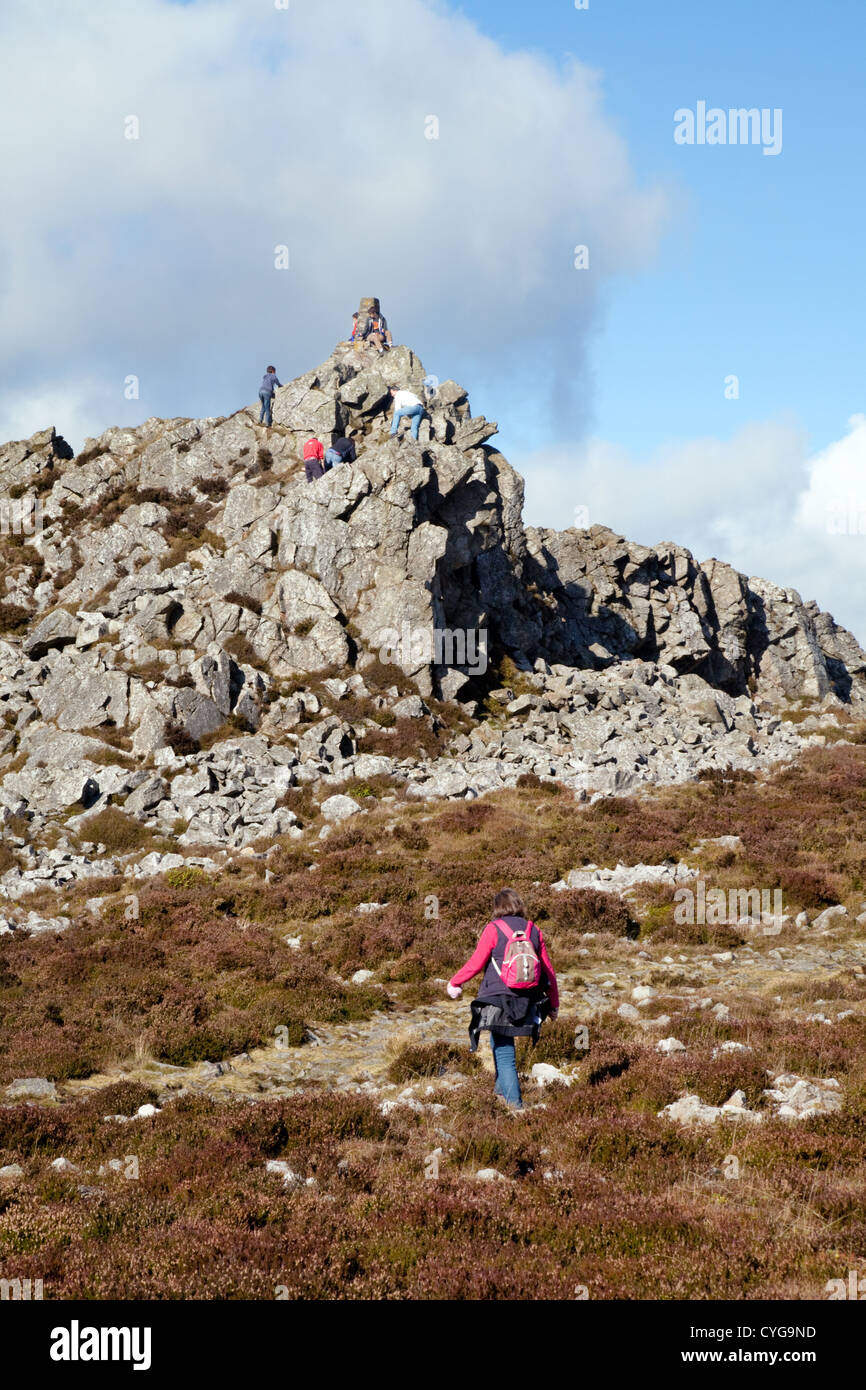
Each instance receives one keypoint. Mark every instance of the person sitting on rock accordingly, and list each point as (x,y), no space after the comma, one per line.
(379,334)
(266,395)
(406,403)
(314,455)
(341,451)
(354,327)
(508,1010)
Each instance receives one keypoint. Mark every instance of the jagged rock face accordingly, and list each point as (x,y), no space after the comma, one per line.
(25,460)
(608,600)
(187,568)
(413,536)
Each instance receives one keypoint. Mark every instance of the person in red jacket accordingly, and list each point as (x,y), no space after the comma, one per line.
(314,455)
(507,1013)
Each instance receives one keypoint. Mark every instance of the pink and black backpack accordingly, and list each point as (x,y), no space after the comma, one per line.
(521,968)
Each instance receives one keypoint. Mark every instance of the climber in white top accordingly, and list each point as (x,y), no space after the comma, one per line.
(406,403)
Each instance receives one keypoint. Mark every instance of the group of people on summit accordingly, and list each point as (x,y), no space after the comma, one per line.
(369,329)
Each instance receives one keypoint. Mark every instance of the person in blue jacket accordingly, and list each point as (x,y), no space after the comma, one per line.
(270,381)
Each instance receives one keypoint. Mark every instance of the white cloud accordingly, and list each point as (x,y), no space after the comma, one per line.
(74,404)
(757,501)
(835,501)
(306,127)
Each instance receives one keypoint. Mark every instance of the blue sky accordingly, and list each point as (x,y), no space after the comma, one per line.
(305,126)
(759,275)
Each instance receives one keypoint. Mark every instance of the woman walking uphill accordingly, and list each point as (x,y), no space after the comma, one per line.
(518,990)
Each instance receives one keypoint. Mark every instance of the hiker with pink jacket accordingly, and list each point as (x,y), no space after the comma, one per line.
(518,990)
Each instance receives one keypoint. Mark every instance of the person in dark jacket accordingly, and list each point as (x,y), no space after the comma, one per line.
(341,451)
(379,334)
(270,380)
(506,1013)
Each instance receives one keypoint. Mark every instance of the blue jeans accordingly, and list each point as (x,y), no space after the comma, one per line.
(332,457)
(507,1085)
(265,413)
(414,412)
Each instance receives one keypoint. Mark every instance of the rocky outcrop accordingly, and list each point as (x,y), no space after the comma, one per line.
(195,628)
(26,461)
(608,600)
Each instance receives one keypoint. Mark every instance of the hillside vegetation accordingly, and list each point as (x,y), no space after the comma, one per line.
(595,1189)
